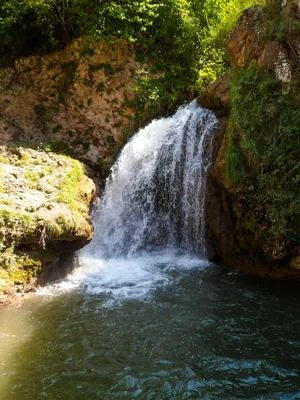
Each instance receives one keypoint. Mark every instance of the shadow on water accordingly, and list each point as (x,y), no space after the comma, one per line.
(209,334)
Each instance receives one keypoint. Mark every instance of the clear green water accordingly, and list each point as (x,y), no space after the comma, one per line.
(200,333)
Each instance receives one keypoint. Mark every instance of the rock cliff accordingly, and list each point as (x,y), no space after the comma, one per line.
(74,101)
(44,214)
(252,205)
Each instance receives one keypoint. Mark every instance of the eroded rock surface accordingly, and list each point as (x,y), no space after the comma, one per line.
(44,214)
(77,100)
(250,45)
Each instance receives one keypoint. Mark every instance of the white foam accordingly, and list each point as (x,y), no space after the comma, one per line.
(125,278)
(153,197)
(156,190)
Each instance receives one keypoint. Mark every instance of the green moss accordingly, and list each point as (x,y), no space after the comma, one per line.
(61,147)
(60,98)
(9,218)
(13,226)
(100,87)
(103,168)
(235,165)
(18,267)
(67,80)
(110,141)
(23,269)
(70,185)
(24,159)
(86,51)
(109,70)
(263,157)
(7,202)
(4,160)
(56,128)
(62,226)
(1,180)
(33,177)
(69,68)
(66,223)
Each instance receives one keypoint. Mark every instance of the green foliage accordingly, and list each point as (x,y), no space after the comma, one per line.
(183,39)
(59,147)
(266,120)
(220,17)
(278,26)
(31,25)
(235,164)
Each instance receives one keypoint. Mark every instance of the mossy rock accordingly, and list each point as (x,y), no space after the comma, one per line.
(44,199)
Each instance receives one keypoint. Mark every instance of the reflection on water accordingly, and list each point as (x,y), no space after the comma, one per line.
(197,333)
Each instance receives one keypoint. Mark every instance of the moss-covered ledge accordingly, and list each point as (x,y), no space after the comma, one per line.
(252,207)
(45,200)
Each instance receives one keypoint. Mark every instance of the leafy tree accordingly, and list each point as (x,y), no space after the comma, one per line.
(185,40)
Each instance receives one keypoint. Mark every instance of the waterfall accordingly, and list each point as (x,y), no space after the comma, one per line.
(150,220)
(155,194)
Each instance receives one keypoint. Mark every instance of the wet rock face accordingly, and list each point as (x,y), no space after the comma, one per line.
(44,213)
(226,242)
(76,99)
(243,44)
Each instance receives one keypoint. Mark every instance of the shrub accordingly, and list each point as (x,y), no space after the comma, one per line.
(184,39)
(266,120)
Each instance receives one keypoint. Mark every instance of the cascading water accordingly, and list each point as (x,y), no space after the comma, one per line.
(150,218)
(155,194)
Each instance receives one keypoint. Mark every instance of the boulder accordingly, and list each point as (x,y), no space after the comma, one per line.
(45,200)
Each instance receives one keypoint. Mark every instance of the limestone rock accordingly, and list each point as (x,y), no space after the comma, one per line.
(274,57)
(44,213)
(243,44)
(76,99)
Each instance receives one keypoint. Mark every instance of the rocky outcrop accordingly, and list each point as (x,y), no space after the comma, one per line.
(216,97)
(251,44)
(44,214)
(75,101)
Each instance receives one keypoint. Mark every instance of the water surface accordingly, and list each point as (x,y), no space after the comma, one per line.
(192,331)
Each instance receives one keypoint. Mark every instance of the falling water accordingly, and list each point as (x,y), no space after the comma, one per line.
(150,219)
(154,196)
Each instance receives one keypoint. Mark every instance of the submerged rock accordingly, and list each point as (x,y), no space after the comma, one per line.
(45,200)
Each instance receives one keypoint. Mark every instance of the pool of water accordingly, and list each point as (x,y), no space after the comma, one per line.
(182,329)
